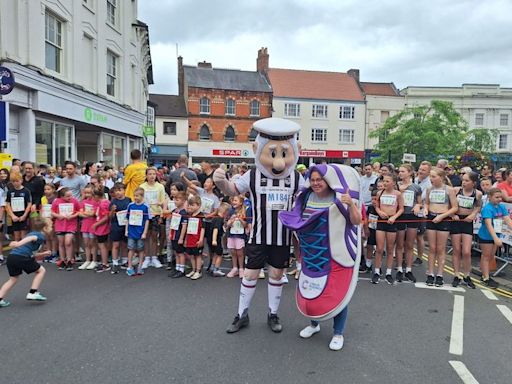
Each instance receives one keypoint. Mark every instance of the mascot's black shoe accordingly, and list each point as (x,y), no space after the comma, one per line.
(274,323)
(238,323)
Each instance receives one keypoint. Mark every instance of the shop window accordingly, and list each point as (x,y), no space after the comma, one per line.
(230,134)
(204,133)
(54,142)
(44,142)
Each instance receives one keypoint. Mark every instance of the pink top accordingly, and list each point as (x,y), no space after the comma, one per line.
(102,211)
(61,206)
(88,205)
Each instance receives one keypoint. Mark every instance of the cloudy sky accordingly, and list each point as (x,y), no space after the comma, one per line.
(408,42)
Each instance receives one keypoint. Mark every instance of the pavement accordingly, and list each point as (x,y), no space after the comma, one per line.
(102,328)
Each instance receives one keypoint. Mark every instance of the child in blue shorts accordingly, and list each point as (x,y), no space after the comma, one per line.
(137,216)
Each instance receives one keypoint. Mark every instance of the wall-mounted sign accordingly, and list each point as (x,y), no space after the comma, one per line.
(6,81)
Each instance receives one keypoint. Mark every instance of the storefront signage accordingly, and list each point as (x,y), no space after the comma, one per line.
(332,154)
(231,152)
(306,153)
(6,81)
(94,116)
(4,120)
(148,130)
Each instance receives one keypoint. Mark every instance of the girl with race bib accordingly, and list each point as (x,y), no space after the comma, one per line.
(46,213)
(235,229)
(88,208)
(440,205)
(194,237)
(390,206)
(494,216)
(408,223)
(469,202)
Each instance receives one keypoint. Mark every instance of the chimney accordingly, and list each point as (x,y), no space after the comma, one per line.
(181,76)
(262,60)
(204,64)
(354,73)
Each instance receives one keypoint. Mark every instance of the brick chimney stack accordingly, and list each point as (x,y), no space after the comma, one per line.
(204,64)
(354,73)
(262,60)
(181,76)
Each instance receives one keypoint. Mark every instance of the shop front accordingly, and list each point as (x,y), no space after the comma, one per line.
(162,154)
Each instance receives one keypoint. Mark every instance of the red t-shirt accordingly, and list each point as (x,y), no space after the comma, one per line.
(504,186)
(62,206)
(102,211)
(88,205)
(194,226)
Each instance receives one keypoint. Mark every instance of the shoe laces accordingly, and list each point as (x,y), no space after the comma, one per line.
(313,251)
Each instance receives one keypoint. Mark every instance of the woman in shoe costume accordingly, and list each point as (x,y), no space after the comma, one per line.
(271,187)
(326,218)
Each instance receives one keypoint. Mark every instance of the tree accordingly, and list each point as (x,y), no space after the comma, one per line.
(429,131)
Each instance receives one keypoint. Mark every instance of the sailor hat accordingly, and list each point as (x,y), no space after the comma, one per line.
(275,128)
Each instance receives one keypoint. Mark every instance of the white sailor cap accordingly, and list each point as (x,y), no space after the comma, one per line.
(275,128)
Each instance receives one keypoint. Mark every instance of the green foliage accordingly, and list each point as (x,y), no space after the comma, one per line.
(430,131)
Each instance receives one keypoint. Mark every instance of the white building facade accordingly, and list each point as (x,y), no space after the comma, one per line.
(82,70)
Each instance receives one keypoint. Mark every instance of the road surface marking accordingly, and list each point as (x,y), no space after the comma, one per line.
(443,288)
(456,338)
(505,311)
(463,372)
(489,294)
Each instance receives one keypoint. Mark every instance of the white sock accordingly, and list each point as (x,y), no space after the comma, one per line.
(408,269)
(400,269)
(124,260)
(275,288)
(368,263)
(247,289)
(115,261)
(388,271)
(377,271)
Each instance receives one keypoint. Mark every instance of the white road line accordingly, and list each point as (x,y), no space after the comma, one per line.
(489,295)
(456,338)
(505,311)
(443,288)
(463,372)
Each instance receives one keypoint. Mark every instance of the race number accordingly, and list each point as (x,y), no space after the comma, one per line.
(437,196)
(372,221)
(465,201)
(237,228)
(121,218)
(18,204)
(388,200)
(175,221)
(193,226)
(136,217)
(66,209)
(408,198)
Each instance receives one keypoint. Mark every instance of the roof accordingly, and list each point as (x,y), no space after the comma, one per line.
(314,85)
(169,105)
(379,89)
(226,79)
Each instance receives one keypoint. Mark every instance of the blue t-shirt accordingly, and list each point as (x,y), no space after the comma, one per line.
(118,205)
(490,211)
(29,249)
(137,215)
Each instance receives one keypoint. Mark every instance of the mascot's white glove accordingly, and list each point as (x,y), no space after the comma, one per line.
(227,187)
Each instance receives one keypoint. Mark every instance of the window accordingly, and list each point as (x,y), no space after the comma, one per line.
(384,115)
(503,119)
(347,112)
(255,108)
(503,143)
(112,12)
(319,135)
(230,107)
(54,142)
(204,105)
(319,111)
(479,119)
(170,128)
(53,43)
(204,133)
(347,136)
(252,135)
(230,134)
(111,73)
(292,110)
(150,116)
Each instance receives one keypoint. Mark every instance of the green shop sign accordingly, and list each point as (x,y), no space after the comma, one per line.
(148,130)
(94,116)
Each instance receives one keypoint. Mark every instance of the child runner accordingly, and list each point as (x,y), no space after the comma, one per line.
(469,201)
(371,239)
(217,234)
(440,204)
(390,206)
(88,215)
(493,215)
(235,228)
(19,203)
(485,186)
(194,237)
(167,213)
(118,207)
(22,259)
(46,213)
(65,210)
(138,216)
(101,227)
(177,230)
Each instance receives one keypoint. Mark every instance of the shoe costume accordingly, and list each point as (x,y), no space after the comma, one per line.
(330,246)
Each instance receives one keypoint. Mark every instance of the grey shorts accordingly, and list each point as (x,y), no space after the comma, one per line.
(135,244)
(88,235)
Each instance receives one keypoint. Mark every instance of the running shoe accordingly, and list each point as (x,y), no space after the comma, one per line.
(130,272)
(439,281)
(190,274)
(103,268)
(469,282)
(155,262)
(196,276)
(490,283)
(92,266)
(274,323)
(4,303)
(430,281)
(409,276)
(456,282)
(146,263)
(177,275)
(418,261)
(140,271)
(399,276)
(362,268)
(61,265)
(115,269)
(336,343)
(284,279)
(35,296)
(390,280)
(218,273)
(84,265)
(69,266)
(238,323)
(309,331)
(375,278)
(233,272)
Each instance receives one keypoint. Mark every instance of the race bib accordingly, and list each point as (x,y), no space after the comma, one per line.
(237,228)
(388,200)
(66,209)
(276,198)
(175,221)
(465,201)
(46,211)
(372,221)
(88,208)
(171,205)
(437,197)
(408,198)
(121,218)
(151,197)
(206,205)
(136,217)
(193,226)
(497,224)
(18,204)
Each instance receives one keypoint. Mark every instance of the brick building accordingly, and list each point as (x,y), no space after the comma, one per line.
(222,105)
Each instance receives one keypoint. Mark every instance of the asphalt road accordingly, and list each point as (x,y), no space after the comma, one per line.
(99,328)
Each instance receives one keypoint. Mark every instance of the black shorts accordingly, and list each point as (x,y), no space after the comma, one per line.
(194,251)
(410,220)
(372,239)
(482,241)
(208,231)
(422,226)
(118,235)
(101,239)
(277,256)
(178,248)
(461,227)
(443,226)
(20,226)
(16,265)
(385,227)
